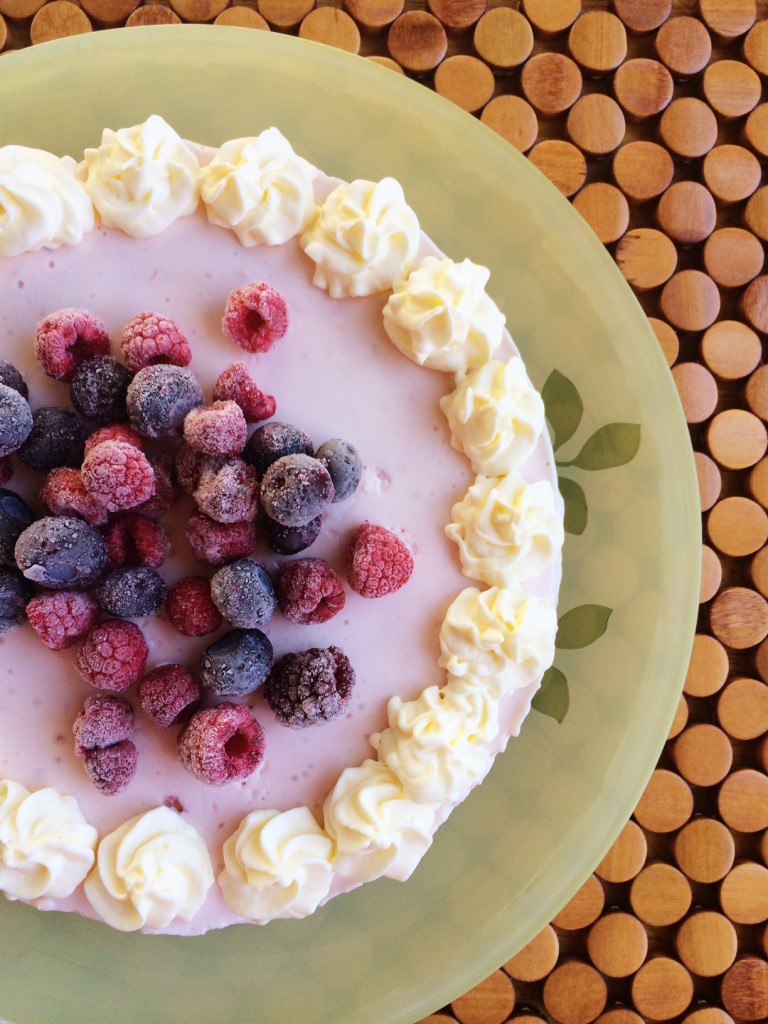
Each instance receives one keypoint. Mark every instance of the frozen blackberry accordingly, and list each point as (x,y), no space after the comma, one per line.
(159,398)
(131,591)
(57,438)
(295,490)
(11,377)
(344,465)
(310,687)
(289,540)
(269,443)
(61,552)
(243,593)
(15,516)
(237,663)
(15,420)
(15,594)
(99,388)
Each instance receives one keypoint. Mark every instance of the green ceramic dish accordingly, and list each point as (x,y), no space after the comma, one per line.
(518,848)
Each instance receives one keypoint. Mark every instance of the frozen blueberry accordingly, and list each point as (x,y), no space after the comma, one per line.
(289,540)
(99,388)
(15,420)
(15,516)
(243,593)
(61,552)
(131,591)
(237,663)
(295,490)
(159,398)
(15,594)
(11,377)
(343,462)
(269,443)
(57,438)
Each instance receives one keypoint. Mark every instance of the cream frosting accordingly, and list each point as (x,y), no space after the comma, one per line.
(363,238)
(260,188)
(441,316)
(46,845)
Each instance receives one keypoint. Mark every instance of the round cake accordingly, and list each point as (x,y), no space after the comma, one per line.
(279,527)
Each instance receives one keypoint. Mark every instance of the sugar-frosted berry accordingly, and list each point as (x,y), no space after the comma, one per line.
(190,607)
(166,489)
(62,617)
(118,475)
(15,594)
(243,593)
(255,316)
(15,516)
(61,552)
(222,744)
(310,687)
(289,540)
(295,490)
(57,438)
(11,377)
(168,695)
(113,655)
(228,493)
(15,420)
(64,494)
(237,663)
(217,429)
(115,432)
(111,768)
(131,592)
(103,720)
(189,465)
(236,384)
(99,388)
(378,562)
(135,539)
(343,462)
(159,398)
(65,339)
(149,339)
(309,591)
(217,543)
(271,441)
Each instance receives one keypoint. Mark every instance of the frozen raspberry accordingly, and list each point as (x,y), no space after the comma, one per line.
(228,493)
(296,489)
(310,687)
(64,339)
(103,720)
(15,420)
(166,490)
(217,429)
(99,388)
(113,655)
(190,607)
(11,377)
(217,543)
(15,594)
(150,338)
(135,539)
(343,462)
(289,540)
(271,442)
(131,592)
(63,617)
(237,663)
(255,316)
(118,475)
(243,593)
(378,562)
(115,432)
(15,516)
(111,768)
(168,695)
(57,438)
(190,464)
(222,744)
(159,397)
(309,591)
(64,494)
(236,384)
(61,552)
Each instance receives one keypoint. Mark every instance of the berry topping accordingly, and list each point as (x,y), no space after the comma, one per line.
(118,475)
(113,655)
(217,543)
(61,552)
(15,516)
(228,493)
(296,489)
(11,377)
(190,607)
(15,420)
(64,339)
(104,719)
(131,592)
(243,593)
(378,562)
(159,397)
(217,429)
(149,339)
(289,540)
(166,492)
(115,432)
(222,744)
(235,384)
(343,462)
(63,617)
(168,695)
(237,663)
(309,591)
(15,594)
(64,494)
(135,539)
(269,443)
(255,317)
(57,438)
(99,388)
(310,687)
(110,769)
(190,464)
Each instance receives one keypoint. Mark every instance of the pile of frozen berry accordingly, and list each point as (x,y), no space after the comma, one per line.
(139,435)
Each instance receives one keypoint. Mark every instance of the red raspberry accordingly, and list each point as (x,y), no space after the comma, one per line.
(166,491)
(217,429)
(309,591)
(60,619)
(115,432)
(113,655)
(217,543)
(236,384)
(378,562)
(118,475)
(103,720)
(228,493)
(65,339)
(168,694)
(150,338)
(135,539)
(256,316)
(222,744)
(190,465)
(64,494)
(111,768)
(190,607)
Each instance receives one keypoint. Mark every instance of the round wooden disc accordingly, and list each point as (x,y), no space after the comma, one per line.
(417,41)
(562,162)
(503,38)
(596,124)
(708,1015)
(731,88)
(3,32)
(690,300)
(743,801)
(688,128)
(739,618)
(756,130)
(738,526)
(551,17)
(155,14)
(667,339)
(457,15)
(646,257)
(490,1002)
(662,989)
(730,349)
(619,1015)
(605,209)
(733,257)
(57,20)
(198,11)
(703,754)
(711,574)
(626,857)
(20,9)
(242,17)
(684,46)
(584,907)
(758,478)
(284,14)
(731,173)
(756,394)
(744,893)
(551,82)
(465,80)
(743,708)
(704,850)
(754,303)
(728,19)
(642,170)
(643,16)
(537,959)
(709,479)
(514,119)
(756,48)
(737,439)
(643,87)
(374,16)
(680,719)
(697,389)
(758,572)
(598,42)
(575,993)
(745,989)
(687,212)
(110,12)
(333,27)
(385,62)
(617,944)
(666,804)
(756,213)
(706,943)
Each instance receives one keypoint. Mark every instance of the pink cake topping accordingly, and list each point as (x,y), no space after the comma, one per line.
(149,338)
(378,562)
(65,339)
(255,316)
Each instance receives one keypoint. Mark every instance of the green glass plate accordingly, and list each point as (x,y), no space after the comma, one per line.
(519,847)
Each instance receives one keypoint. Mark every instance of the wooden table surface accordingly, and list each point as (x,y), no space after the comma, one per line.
(652,117)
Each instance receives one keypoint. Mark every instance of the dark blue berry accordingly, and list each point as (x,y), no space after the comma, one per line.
(61,552)
(236,664)
(57,438)
(295,490)
(130,592)
(15,516)
(11,377)
(310,687)
(343,462)
(15,594)
(99,388)
(15,420)
(159,397)
(271,442)
(243,593)
(289,540)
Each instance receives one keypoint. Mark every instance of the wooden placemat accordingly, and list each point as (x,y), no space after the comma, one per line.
(651,116)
